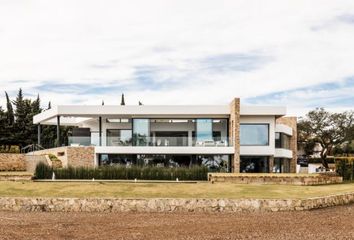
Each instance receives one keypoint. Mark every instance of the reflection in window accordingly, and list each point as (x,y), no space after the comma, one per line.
(119,137)
(117,160)
(254,164)
(204,130)
(95,139)
(281,165)
(254,134)
(282,140)
(141,132)
(214,163)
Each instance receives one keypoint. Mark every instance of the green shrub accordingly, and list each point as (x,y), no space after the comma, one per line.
(43,171)
(52,157)
(345,168)
(121,172)
(10,149)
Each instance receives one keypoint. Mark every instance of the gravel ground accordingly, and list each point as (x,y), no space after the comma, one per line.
(330,223)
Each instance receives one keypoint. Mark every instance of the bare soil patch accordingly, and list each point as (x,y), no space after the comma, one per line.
(330,223)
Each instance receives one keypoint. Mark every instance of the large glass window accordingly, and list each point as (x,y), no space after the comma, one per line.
(254,134)
(95,138)
(116,160)
(254,164)
(214,163)
(141,132)
(281,165)
(204,130)
(119,137)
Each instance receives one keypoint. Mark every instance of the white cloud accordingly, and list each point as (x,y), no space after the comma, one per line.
(102,43)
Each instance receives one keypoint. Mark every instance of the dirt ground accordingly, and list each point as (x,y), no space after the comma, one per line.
(330,223)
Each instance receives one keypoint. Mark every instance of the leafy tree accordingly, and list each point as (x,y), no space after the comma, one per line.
(327,129)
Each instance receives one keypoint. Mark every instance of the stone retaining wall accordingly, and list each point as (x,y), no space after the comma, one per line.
(12,162)
(170,205)
(33,160)
(284,179)
(82,156)
(16,176)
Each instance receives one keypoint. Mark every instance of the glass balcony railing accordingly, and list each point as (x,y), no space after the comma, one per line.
(149,141)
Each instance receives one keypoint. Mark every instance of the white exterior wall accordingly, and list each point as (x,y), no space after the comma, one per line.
(260,150)
(283,153)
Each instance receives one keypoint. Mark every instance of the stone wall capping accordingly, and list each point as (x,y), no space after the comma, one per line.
(276,178)
(40,204)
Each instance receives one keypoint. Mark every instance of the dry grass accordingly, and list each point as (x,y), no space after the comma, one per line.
(166,190)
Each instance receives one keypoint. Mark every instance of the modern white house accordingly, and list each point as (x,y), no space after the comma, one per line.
(226,138)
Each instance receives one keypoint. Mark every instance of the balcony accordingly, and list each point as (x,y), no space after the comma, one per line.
(149,142)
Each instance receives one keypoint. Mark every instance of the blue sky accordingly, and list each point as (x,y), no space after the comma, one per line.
(295,53)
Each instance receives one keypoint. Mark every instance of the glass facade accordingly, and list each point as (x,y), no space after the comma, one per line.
(282,140)
(141,132)
(158,132)
(254,134)
(215,163)
(254,164)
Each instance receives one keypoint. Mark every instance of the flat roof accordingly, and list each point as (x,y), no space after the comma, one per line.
(77,113)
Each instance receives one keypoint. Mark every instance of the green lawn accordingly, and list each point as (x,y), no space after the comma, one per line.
(166,190)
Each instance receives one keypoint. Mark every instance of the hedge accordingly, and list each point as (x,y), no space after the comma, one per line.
(44,171)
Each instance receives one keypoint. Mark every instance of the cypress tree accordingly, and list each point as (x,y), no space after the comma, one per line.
(10,111)
(3,123)
(23,108)
(122,102)
(36,106)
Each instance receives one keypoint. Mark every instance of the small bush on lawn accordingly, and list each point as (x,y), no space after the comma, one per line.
(345,168)
(43,171)
(121,172)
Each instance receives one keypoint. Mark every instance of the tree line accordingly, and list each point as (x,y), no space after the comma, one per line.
(16,124)
(333,132)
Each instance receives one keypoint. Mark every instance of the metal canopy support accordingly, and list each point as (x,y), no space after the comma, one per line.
(39,134)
